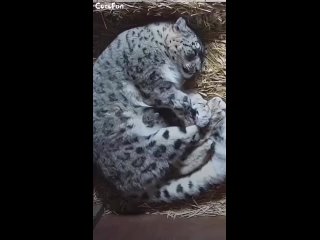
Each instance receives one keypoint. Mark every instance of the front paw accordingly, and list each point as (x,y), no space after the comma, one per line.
(218,109)
(182,104)
(217,104)
(203,115)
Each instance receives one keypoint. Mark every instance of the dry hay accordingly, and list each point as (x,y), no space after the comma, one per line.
(209,22)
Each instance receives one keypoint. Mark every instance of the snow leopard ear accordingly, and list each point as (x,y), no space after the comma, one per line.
(180,24)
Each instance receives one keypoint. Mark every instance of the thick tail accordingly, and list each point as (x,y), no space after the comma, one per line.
(213,172)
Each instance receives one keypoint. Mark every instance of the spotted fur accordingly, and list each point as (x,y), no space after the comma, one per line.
(137,76)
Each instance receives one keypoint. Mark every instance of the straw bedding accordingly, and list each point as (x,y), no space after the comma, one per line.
(209,22)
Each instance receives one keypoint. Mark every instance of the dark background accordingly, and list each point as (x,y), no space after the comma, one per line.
(47,120)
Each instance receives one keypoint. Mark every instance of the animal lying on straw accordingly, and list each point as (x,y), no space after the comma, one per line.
(152,140)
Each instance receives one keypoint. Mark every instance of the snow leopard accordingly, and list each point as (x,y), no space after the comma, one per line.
(139,152)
